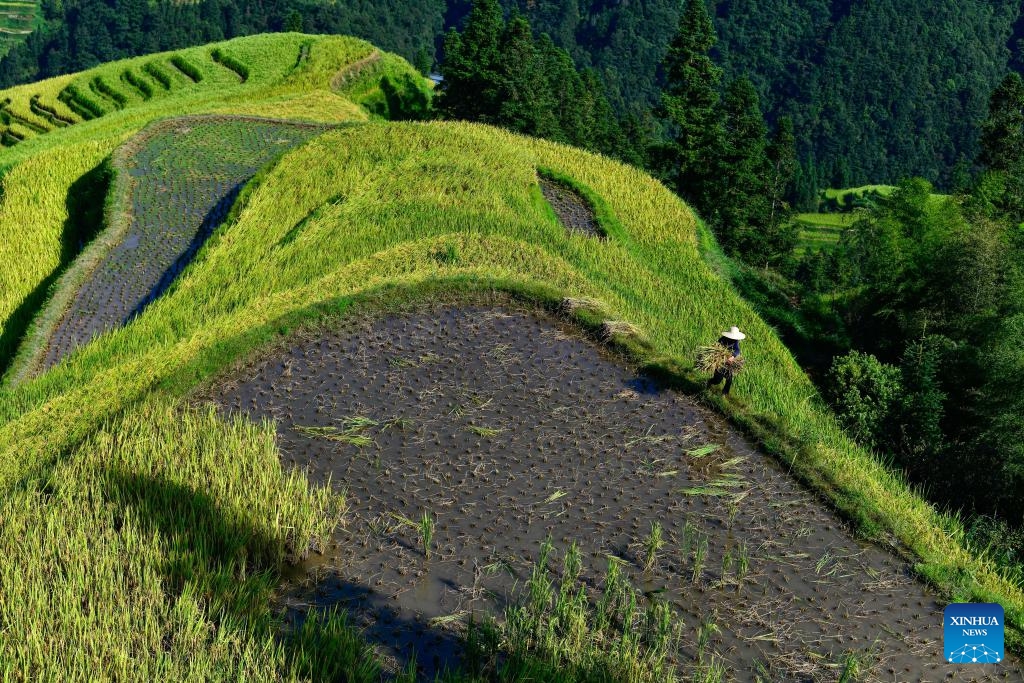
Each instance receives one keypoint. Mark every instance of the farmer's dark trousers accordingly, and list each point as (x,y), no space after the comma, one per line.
(717,379)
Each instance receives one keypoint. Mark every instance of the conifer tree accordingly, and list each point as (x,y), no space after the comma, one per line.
(1000,189)
(472,64)
(1002,133)
(690,102)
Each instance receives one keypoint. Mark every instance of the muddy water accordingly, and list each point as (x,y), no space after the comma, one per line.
(507,427)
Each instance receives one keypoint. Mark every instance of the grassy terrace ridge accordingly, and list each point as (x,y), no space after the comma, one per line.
(168,527)
(51,179)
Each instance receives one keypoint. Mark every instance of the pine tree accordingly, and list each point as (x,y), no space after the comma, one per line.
(1002,133)
(472,65)
(783,166)
(524,92)
(690,102)
(743,212)
(999,191)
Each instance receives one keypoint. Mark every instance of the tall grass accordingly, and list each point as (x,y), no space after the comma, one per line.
(554,633)
(150,552)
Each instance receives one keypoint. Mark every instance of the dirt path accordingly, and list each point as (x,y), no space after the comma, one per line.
(506,428)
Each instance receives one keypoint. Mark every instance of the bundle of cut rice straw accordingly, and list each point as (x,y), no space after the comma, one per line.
(717,358)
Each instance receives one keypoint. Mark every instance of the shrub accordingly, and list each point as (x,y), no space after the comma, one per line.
(863,391)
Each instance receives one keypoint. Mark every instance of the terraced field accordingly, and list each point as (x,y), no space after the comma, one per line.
(55,160)
(506,428)
(818,231)
(180,179)
(147,537)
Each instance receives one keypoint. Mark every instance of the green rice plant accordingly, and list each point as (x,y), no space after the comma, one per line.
(556,496)
(715,358)
(828,562)
(742,563)
(727,565)
(552,630)
(186,67)
(704,490)
(850,668)
(689,535)
(335,434)
(702,451)
(139,83)
(652,545)
(708,628)
(712,671)
(700,554)
(484,431)
(426,528)
(159,74)
(230,62)
(103,88)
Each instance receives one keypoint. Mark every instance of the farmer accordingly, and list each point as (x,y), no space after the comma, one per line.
(730,340)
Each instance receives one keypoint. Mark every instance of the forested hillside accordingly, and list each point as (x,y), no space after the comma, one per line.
(863,80)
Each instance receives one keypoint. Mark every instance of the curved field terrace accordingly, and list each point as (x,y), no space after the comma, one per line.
(183,177)
(505,427)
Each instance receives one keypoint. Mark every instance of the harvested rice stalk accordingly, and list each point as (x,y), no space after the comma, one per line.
(570,305)
(611,328)
(717,358)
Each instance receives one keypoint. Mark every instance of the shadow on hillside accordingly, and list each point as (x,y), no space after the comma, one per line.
(232,568)
(84,204)
(213,219)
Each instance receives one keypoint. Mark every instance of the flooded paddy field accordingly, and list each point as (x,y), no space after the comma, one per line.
(505,427)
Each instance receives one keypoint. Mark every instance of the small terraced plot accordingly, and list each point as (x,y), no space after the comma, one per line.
(184,177)
(501,428)
(572,209)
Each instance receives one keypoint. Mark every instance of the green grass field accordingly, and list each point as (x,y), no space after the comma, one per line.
(820,230)
(142,538)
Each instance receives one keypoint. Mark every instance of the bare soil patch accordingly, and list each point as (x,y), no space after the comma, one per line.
(572,208)
(507,427)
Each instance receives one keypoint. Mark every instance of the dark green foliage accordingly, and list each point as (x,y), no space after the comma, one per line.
(232,63)
(690,103)
(1000,190)
(103,88)
(1002,133)
(498,72)
(864,393)
(294,21)
(720,159)
(878,90)
(139,83)
(407,98)
(186,67)
(472,65)
(159,74)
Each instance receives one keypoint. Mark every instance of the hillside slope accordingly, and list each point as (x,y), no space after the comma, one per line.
(53,167)
(110,478)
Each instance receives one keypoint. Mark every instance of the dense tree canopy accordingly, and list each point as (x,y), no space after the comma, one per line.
(878,90)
